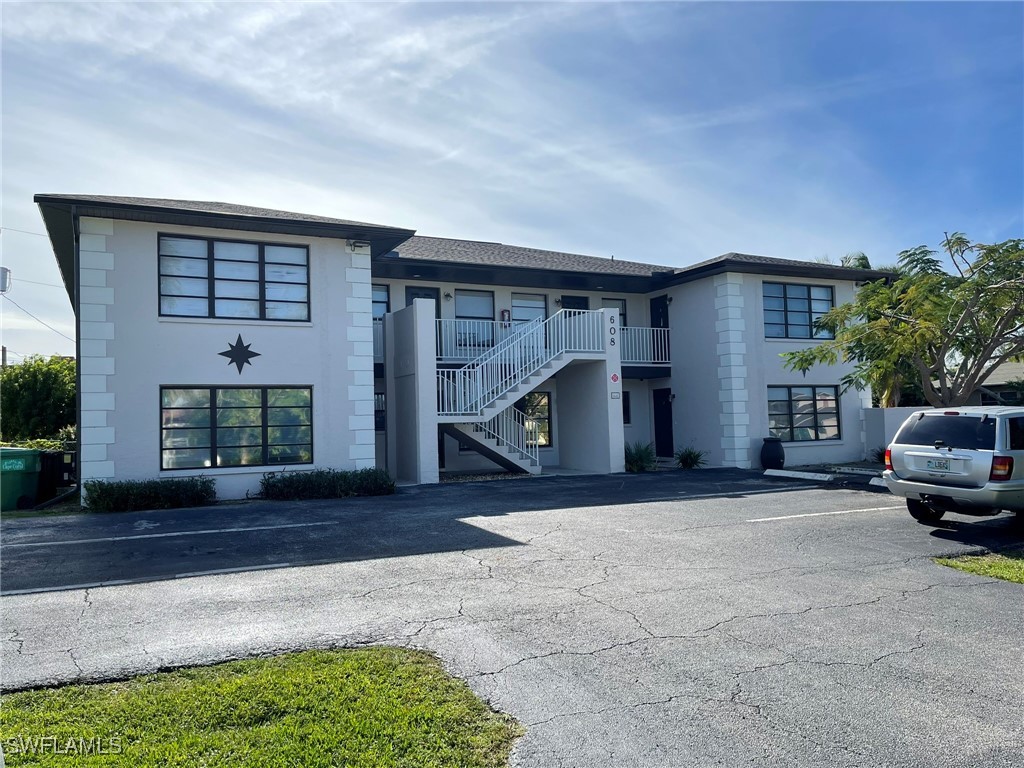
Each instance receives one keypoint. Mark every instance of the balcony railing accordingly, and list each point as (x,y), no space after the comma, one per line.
(645,346)
(459,341)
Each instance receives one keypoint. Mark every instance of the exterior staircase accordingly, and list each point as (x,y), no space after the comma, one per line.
(475,402)
(499,440)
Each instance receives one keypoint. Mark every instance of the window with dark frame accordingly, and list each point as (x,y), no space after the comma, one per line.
(529,306)
(627,416)
(620,305)
(790,310)
(381,301)
(476,305)
(216,427)
(537,407)
(798,414)
(204,277)
(380,412)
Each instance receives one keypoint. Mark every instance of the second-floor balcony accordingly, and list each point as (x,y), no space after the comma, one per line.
(644,346)
(459,341)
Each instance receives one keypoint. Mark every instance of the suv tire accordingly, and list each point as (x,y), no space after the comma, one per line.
(923,513)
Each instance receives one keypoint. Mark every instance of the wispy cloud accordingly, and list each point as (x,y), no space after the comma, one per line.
(660,132)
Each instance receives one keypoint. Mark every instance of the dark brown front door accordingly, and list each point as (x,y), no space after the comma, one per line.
(659,312)
(575,302)
(423,292)
(664,444)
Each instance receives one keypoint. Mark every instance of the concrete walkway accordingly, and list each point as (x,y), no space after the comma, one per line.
(669,620)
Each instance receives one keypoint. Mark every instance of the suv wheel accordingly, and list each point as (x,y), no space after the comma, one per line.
(923,513)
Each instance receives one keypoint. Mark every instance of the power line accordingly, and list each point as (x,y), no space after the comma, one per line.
(23,231)
(36,318)
(36,282)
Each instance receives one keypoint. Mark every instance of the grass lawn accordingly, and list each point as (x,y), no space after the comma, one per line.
(1008,565)
(371,707)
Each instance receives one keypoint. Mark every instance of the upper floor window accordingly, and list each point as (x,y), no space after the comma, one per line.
(790,310)
(477,307)
(203,277)
(617,304)
(529,306)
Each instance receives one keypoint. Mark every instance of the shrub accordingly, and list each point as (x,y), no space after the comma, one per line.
(691,458)
(65,440)
(640,457)
(878,455)
(131,495)
(326,484)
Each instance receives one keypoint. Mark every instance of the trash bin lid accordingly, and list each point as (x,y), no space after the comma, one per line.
(18,459)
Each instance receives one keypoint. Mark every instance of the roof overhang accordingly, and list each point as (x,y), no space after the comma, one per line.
(60,216)
(812,271)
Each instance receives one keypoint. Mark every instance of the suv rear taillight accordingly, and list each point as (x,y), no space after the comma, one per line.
(1002,468)
(888,459)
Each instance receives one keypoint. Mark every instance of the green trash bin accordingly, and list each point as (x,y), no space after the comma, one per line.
(19,478)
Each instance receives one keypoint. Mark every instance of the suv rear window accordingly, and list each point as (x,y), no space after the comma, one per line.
(971,433)
(1015,434)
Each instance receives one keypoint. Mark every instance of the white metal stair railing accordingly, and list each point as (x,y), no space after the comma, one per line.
(461,340)
(513,429)
(469,390)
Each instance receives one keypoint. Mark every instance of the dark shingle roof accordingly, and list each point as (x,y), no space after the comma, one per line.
(769,265)
(201,206)
(499,255)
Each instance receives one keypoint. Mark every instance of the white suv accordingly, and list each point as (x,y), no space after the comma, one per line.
(968,459)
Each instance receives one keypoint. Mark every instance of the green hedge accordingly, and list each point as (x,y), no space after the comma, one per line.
(131,495)
(325,484)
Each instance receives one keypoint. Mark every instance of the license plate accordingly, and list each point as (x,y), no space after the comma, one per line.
(940,464)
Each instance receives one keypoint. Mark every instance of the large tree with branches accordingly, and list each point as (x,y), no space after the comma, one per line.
(954,328)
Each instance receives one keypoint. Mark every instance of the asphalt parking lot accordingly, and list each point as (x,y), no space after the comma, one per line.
(677,619)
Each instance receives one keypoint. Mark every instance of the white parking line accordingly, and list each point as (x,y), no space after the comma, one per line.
(727,494)
(169,535)
(821,514)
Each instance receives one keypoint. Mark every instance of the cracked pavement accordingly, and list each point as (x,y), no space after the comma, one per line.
(620,632)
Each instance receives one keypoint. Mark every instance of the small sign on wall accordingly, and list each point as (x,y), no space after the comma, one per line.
(616,395)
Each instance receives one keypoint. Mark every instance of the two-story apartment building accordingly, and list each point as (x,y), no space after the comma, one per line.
(230,341)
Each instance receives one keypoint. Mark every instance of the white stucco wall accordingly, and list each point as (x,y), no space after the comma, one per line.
(129,352)
(766,368)
(412,393)
(722,366)
(881,425)
(640,406)
(694,339)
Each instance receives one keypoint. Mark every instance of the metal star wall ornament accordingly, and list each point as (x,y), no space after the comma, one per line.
(238,354)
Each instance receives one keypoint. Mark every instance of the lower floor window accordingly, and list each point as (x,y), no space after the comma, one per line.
(803,413)
(204,427)
(380,412)
(537,407)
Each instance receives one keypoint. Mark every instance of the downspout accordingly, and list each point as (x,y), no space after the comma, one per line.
(78,351)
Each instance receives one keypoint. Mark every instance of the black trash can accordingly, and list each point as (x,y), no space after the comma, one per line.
(773,455)
(51,475)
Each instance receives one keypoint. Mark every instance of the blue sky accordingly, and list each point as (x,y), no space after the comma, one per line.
(661,132)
